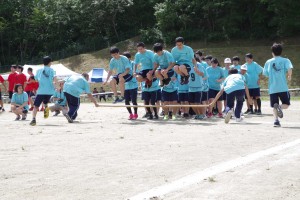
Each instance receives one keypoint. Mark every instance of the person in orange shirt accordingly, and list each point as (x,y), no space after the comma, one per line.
(1,102)
(12,80)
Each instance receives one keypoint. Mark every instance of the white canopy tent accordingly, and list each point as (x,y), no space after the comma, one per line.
(61,71)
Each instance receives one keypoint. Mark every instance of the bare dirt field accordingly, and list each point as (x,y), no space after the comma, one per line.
(104,156)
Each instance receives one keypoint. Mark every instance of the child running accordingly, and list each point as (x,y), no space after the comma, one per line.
(276,69)
(19,102)
(47,80)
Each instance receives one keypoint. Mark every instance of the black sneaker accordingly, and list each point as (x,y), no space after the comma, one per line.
(182,80)
(251,112)
(156,116)
(121,99)
(247,112)
(185,115)
(116,100)
(70,120)
(186,79)
(162,113)
(167,81)
(278,110)
(146,115)
(258,112)
(277,124)
(24,116)
(56,113)
(18,118)
(150,117)
(255,111)
(162,83)
(3,109)
(33,122)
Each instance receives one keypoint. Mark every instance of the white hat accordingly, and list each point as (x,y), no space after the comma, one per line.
(227,60)
(244,67)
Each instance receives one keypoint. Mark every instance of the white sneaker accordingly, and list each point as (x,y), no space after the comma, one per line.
(228,116)
(239,119)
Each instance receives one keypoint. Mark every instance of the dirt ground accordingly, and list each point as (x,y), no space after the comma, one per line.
(105,156)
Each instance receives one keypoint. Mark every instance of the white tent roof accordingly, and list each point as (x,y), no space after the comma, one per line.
(61,71)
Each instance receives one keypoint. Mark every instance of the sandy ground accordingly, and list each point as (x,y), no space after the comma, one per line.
(106,156)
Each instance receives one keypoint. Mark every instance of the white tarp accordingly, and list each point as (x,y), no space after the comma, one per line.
(61,71)
(97,75)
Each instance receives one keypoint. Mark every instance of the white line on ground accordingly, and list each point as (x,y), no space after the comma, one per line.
(197,177)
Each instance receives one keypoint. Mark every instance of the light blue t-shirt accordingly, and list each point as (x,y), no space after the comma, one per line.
(205,86)
(184,55)
(45,77)
(204,64)
(155,86)
(20,99)
(195,81)
(132,84)
(120,65)
(238,67)
(173,85)
(164,60)
(253,71)
(276,69)
(213,75)
(182,88)
(234,82)
(145,59)
(75,85)
(226,72)
(61,95)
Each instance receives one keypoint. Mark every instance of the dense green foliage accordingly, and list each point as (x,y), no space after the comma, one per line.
(32,28)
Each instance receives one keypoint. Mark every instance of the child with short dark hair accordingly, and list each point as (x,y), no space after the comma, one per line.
(19,102)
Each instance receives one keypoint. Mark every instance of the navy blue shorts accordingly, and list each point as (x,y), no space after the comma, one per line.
(224,96)
(188,67)
(41,98)
(195,97)
(255,92)
(158,96)
(170,72)
(169,96)
(143,73)
(150,96)
(0,96)
(30,93)
(127,78)
(182,97)
(204,96)
(283,96)
(213,93)
(131,95)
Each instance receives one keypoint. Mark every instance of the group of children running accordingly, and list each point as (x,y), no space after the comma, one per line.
(185,77)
